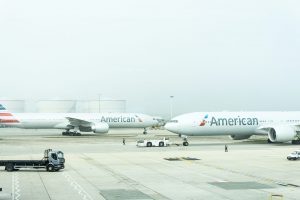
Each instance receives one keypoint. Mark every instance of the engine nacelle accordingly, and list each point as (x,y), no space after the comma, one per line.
(239,137)
(281,134)
(100,128)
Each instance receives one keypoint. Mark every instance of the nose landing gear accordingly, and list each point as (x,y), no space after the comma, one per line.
(145,131)
(185,141)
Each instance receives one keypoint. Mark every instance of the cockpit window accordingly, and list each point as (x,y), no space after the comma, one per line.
(173,121)
(158,119)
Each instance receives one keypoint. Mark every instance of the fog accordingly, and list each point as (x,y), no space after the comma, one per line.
(210,55)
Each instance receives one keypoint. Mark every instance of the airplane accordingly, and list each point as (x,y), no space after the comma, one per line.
(278,126)
(75,123)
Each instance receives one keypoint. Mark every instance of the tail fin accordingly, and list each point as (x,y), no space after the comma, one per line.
(2,107)
(6,116)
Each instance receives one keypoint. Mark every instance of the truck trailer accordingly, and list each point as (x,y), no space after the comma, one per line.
(52,161)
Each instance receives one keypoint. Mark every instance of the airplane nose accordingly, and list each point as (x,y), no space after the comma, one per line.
(171,127)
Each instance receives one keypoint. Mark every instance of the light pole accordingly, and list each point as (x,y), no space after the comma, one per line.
(171,107)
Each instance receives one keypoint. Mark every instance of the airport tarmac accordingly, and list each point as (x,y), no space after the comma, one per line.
(101,167)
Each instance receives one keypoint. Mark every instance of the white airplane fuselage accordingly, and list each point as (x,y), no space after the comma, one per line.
(60,121)
(285,125)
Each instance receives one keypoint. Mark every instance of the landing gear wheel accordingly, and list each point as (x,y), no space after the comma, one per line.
(145,132)
(149,144)
(295,141)
(161,144)
(78,134)
(67,132)
(185,143)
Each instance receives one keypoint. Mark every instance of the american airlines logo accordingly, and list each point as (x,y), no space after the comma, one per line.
(118,119)
(203,122)
(140,120)
(237,121)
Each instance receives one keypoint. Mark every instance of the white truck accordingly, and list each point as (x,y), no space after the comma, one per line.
(52,161)
(153,143)
(294,155)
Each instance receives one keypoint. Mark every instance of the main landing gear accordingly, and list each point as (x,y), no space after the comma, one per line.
(297,140)
(71,133)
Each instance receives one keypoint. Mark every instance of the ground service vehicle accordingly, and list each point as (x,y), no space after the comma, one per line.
(153,143)
(294,155)
(52,161)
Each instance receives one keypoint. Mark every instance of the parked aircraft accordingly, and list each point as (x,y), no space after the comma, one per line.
(74,123)
(279,126)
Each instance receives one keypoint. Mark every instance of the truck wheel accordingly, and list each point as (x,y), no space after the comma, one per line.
(50,168)
(149,144)
(185,144)
(9,167)
(161,144)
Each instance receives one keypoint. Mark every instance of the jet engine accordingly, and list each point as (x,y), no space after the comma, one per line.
(239,137)
(100,128)
(281,134)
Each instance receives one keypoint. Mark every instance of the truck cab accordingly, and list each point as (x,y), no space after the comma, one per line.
(54,160)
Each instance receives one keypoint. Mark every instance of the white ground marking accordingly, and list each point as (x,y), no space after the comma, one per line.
(16,191)
(84,195)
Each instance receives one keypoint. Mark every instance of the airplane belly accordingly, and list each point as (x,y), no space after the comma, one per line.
(127,125)
(209,131)
(39,125)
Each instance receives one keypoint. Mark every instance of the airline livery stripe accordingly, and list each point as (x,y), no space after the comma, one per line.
(9,121)
(6,114)
(3,111)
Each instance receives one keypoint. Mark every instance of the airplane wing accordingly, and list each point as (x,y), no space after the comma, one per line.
(268,126)
(78,122)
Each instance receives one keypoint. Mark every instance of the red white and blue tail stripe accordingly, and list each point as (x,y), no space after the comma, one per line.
(6,117)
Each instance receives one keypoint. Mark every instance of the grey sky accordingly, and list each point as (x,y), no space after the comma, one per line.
(211,55)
